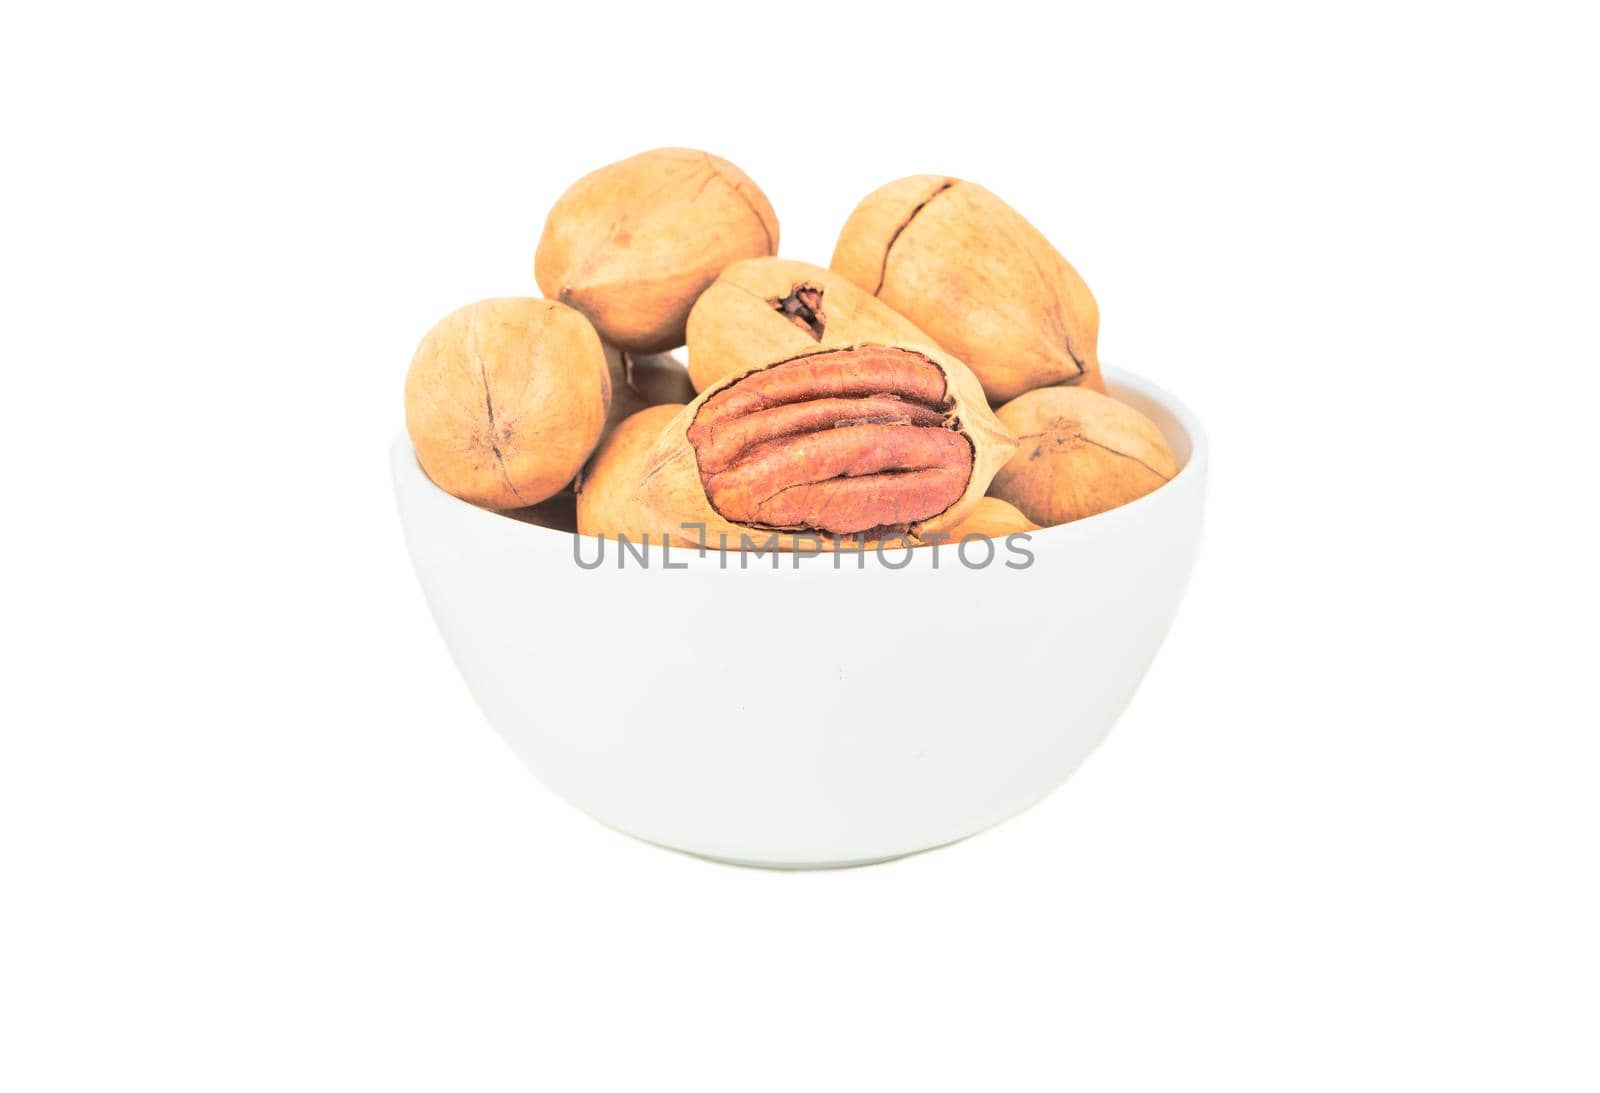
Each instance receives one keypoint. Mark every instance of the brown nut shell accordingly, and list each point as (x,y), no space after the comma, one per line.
(633,244)
(505,399)
(990,518)
(762,309)
(1080,453)
(607,505)
(968,269)
(643,379)
(558,512)
(864,441)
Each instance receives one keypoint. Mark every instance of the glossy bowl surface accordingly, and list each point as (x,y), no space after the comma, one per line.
(810,712)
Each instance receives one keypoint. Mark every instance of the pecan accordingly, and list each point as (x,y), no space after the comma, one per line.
(505,399)
(983,282)
(633,244)
(838,442)
(1081,453)
(866,441)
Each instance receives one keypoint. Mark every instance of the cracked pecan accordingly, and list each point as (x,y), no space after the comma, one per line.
(967,268)
(765,308)
(1080,452)
(866,441)
(505,399)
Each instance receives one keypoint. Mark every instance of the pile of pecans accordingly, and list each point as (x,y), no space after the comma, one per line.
(939,380)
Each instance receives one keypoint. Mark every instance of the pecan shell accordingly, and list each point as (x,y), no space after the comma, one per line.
(505,399)
(633,244)
(762,309)
(1080,453)
(968,269)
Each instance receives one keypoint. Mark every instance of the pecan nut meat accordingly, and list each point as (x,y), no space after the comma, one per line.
(864,441)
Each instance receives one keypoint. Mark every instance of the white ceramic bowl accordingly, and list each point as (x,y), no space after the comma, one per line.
(824,712)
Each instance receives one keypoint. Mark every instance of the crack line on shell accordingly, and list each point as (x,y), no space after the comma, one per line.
(883,271)
(488,405)
(1102,447)
(734,186)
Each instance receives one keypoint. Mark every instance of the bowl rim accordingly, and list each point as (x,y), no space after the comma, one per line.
(405,467)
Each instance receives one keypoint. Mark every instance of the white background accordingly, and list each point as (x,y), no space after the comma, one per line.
(254,833)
